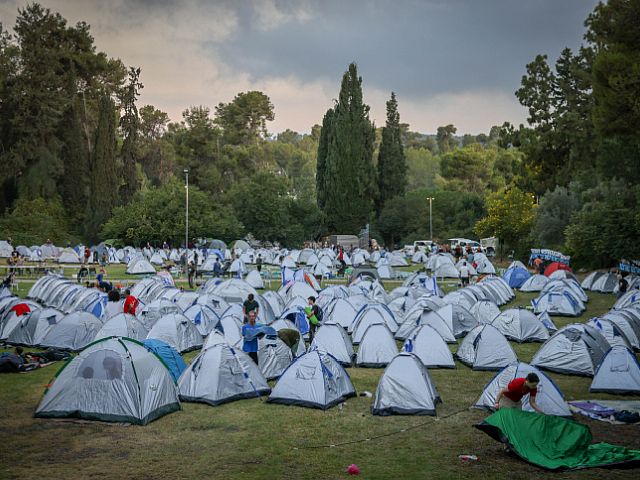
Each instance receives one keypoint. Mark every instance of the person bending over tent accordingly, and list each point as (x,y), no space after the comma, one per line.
(511,397)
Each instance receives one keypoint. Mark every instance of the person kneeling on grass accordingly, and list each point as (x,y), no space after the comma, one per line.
(511,397)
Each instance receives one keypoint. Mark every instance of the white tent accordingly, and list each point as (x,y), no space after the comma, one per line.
(430,348)
(274,356)
(123,325)
(254,279)
(521,325)
(73,332)
(485,348)
(177,331)
(315,380)
(535,283)
(332,339)
(377,347)
(485,311)
(549,398)
(405,388)
(221,374)
(618,373)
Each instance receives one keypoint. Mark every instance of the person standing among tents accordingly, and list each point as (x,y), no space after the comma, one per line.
(87,254)
(192,274)
(250,305)
(511,397)
(259,263)
(113,305)
(464,274)
(130,303)
(623,285)
(314,315)
(250,336)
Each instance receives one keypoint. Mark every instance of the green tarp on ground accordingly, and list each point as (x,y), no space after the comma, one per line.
(553,442)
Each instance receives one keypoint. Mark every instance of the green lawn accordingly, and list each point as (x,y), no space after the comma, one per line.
(250,439)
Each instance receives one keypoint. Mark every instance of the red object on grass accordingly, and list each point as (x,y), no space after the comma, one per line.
(353,469)
(552,267)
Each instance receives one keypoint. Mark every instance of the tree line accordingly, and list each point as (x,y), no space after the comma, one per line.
(83,161)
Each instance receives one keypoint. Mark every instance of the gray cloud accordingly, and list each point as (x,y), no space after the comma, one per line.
(455,61)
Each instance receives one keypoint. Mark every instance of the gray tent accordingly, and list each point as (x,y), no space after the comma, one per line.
(619,372)
(430,348)
(112,380)
(627,325)
(155,310)
(73,332)
(459,319)
(203,317)
(521,325)
(535,283)
(576,349)
(587,283)
(316,380)
(549,398)
(123,325)
(178,331)
(341,312)
(140,266)
(484,311)
(614,335)
(33,327)
(558,303)
(405,388)
(334,340)
(605,283)
(377,347)
(485,348)
(220,374)
(274,356)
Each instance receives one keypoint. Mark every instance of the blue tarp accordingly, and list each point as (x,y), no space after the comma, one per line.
(169,356)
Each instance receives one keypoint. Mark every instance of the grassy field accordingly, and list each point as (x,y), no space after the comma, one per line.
(251,439)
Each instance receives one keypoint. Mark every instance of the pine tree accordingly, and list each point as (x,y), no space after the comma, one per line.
(346,171)
(392,167)
(104,181)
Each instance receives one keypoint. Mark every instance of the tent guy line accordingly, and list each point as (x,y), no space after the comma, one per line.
(389,434)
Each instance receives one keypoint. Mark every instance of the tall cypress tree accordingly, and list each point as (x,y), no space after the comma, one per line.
(347,172)
(75,157)
(322,190)
(104,180)
(130,125)
(392,167)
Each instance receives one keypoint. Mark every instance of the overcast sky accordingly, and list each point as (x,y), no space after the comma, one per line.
(449,61)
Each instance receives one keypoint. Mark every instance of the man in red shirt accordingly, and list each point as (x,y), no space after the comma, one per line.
(131,303)
(511,397)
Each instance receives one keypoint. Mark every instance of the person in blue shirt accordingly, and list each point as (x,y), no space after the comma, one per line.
(250,336)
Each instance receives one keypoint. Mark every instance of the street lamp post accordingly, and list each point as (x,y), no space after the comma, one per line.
(431,199)
(186,213)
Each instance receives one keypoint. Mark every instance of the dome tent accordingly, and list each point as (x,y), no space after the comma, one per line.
(590,279)
(618,373)
(405,388)
(516,276)
(377,347)
(521,325)
(485,311)
(558,303)
(430,348)
(32,328)
(459,320)
(549,398)
(112,380)
(254,279)
(576,349)
(534,283)
(123,325)
(177,331)
(334,340)
(73,332)
(203,317)
(315,380)
(221,374)
(485,348)
(605,283)
(274,356)
(609,330)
